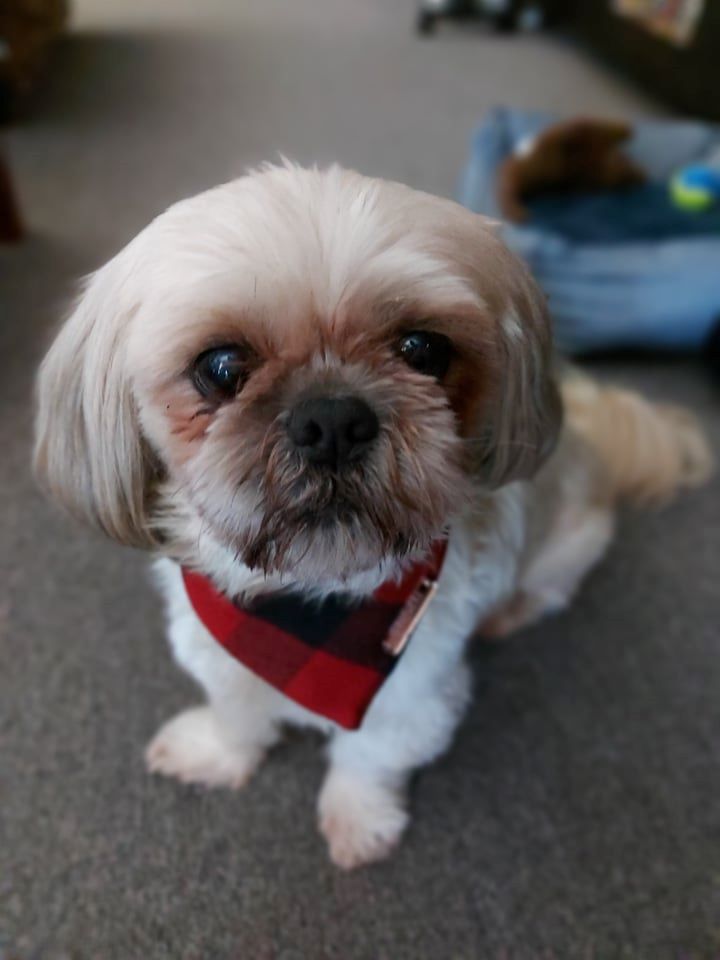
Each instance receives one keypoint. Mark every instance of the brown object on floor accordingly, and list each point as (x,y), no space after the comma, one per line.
(10,223)
(27,29)
(581,154)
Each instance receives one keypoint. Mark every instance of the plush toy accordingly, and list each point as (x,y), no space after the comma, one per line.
(575,155)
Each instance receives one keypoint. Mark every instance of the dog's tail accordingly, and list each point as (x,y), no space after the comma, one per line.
(650,451)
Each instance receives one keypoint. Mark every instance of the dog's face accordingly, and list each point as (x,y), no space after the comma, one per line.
(318,366)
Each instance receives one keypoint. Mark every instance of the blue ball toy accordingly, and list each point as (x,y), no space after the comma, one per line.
(696,187)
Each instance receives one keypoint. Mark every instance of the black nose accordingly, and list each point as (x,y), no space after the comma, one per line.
(332,430)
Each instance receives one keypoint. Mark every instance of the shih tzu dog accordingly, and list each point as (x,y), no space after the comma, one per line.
(329,405)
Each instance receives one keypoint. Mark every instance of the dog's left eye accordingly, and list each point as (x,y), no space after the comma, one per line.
(428,353)
(219,373)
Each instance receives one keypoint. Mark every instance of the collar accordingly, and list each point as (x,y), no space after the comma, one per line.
(330,656)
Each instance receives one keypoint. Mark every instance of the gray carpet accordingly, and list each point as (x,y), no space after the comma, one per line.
(577,815)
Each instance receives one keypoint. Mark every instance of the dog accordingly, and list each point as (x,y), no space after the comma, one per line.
(299,384)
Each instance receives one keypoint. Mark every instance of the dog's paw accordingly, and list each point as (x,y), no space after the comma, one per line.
(190,747)
(522,610)
(361,820)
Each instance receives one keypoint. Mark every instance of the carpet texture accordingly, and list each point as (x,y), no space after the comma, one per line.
(577,814)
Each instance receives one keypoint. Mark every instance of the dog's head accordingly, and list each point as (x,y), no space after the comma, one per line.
(321,367)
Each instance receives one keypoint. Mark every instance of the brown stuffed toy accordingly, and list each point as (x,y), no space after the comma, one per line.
(579,154)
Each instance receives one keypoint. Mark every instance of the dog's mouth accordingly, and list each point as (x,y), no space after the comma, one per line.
(342,522)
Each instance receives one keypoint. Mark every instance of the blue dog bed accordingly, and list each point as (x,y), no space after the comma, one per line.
(623,269)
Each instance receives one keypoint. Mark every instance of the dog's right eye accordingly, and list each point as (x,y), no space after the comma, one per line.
(220,373)
(428,353)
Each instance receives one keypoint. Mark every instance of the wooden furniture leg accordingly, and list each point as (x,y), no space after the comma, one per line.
(10,224)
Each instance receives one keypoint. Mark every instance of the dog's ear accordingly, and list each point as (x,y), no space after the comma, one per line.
(89,452)
(521,426)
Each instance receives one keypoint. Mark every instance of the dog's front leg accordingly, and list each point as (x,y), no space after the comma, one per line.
(363,804)
(222,742)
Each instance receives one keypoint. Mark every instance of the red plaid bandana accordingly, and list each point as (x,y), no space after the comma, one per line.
(330,656)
